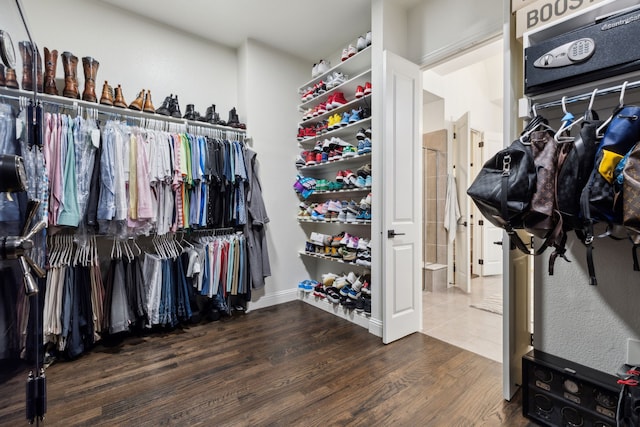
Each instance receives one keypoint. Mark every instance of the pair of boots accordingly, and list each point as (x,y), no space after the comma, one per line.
(70,67)
(108,96)
(212,117)
(8,79)
(143,102)
(192,114)
(170,107)
(234,120)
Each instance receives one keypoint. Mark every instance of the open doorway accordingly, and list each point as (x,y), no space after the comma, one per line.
(462,125)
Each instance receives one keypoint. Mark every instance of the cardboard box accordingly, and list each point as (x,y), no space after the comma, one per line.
(519,4)
(545,11)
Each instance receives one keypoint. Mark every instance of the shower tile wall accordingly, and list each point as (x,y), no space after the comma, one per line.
(435,162)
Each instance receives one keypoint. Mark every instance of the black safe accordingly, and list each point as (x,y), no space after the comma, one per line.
(606,48)
(558,392)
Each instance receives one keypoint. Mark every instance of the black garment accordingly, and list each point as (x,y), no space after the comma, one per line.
(91,216)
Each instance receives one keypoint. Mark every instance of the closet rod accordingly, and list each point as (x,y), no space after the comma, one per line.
(17,94)
(586,96)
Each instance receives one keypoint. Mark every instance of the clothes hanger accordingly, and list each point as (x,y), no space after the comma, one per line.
(604,125)
(568,121)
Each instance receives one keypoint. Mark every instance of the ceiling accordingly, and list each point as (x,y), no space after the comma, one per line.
(309,29)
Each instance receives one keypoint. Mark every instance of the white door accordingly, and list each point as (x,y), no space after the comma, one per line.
(490,256)
(461,163)
(402,198)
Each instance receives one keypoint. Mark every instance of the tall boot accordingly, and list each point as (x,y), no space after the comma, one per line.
(148,105)
(10,78)
(50,65)
(70,66)
(90,67)
(107,94)
(119,100)
(138,103)
(2,81)
(164,108)
(27,65)
(175,111)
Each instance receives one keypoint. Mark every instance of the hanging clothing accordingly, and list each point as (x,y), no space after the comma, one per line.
(451,208)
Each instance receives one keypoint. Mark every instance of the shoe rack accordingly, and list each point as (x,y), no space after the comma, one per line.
(357,72)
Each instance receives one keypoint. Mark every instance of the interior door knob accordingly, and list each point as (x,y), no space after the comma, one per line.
(392,233)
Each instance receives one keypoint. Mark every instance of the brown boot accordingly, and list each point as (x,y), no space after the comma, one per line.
(148,105)
(119,101)
(27,65)
(2,81)
(10,78)
(50,65)
(90,66)
(107,94)
(138,102)
(70,66)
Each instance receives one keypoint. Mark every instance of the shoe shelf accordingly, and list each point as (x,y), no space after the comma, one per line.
(356,102)
(348,88)
(356,222)
(326,258)
(357,159)
(345,190)
(80,106)
(343,132)
(360,319)
(358,62)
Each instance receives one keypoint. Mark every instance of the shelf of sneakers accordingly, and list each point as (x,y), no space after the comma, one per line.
(338,83)
(347,295)
(354,105)
(339,131)
(344,161)
(352,66)
(342,248)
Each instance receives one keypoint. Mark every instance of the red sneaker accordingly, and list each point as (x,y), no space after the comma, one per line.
(311,158)
(309,132)
(338,100)
(359,92)
(367,88)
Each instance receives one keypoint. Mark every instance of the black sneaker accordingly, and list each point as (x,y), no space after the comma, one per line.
(362,133)
(360,304)
(367,305)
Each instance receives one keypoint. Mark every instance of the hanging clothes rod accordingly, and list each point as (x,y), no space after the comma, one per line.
(18,95)
(586,96)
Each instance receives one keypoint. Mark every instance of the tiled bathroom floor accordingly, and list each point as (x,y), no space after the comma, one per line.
(447,316)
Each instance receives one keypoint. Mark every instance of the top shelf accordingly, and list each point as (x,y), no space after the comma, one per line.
(79,105)
(352,66)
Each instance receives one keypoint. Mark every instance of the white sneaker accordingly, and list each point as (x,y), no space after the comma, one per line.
(367,38)
(361,44)
(314,71)
(323,67)
(351,50)
(345,54)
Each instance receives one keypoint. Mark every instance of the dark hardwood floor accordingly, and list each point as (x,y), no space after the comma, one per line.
(288,365)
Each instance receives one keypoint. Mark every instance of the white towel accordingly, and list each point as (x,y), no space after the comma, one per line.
(451,208)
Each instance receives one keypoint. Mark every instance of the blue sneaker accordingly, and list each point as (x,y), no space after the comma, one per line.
(345,290)
(360,146)
(345,119)
(366,145)
(355,116)
(305,286)
(325,157)
(361,182)
(368,182)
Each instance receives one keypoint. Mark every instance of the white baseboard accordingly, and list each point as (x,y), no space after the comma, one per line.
(375,327)
(276,298)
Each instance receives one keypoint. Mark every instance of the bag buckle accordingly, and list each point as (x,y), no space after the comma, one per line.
(506,165)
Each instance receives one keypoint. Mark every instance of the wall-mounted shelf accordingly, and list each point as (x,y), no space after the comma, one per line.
(357,159)
(338,260)
(355,64)
(357,222)
(341,132)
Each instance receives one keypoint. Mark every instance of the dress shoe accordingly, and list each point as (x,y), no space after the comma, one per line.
(175,108)
(107,94)
(164,108)
(138,103)
(119,99)
(90,67)
(2,81)
(50,66)
(10,78)
(70,66)
(148,105)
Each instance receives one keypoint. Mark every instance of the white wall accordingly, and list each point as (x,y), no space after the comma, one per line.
(476,88)
(439,27)
(270,79)
(133,51)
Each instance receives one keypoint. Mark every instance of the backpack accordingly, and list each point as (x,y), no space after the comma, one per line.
(602,197)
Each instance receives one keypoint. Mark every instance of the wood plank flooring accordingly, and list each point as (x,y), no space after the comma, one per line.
(288,365)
